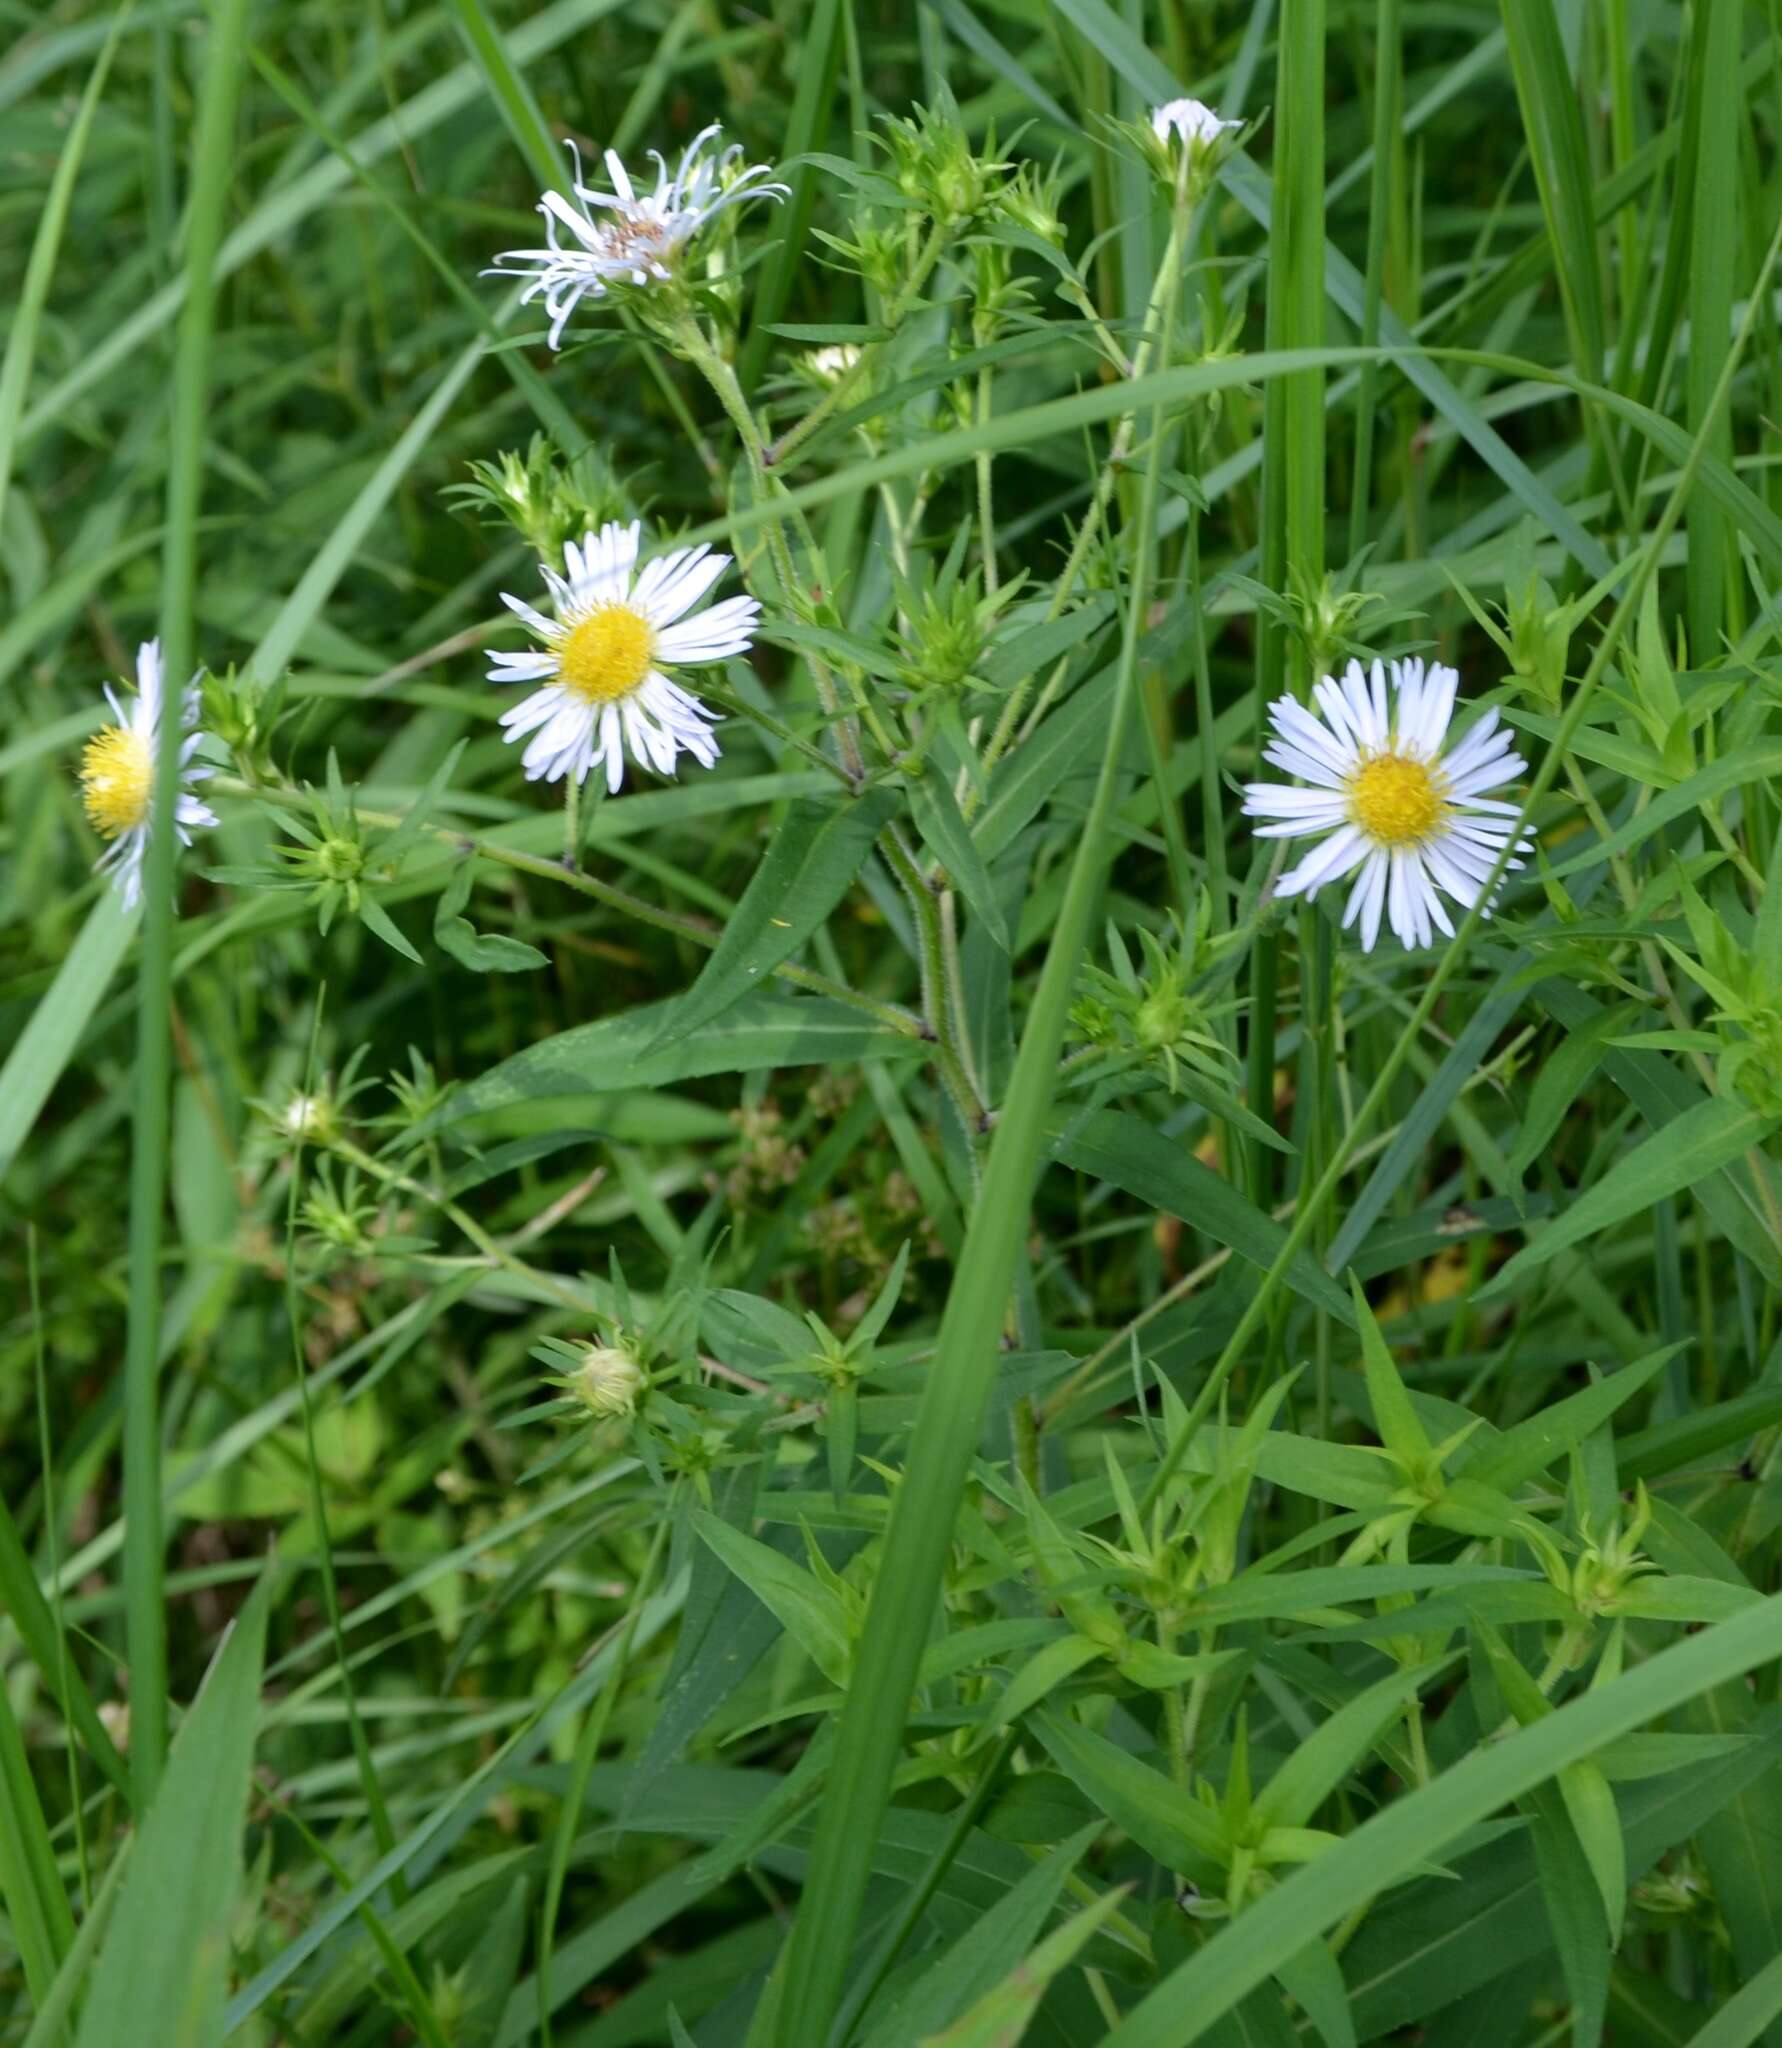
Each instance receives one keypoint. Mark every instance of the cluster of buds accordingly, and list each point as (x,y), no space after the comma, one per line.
(1150,1014)
(546,500)
(936,170)
(948,629)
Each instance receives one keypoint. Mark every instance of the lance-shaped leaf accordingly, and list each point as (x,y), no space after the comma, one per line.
(816,852)
(1693,1145)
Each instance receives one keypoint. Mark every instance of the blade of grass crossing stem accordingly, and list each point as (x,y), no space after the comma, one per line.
(1388,146)
(1312,1204)
(510,92)
(21,341)
(966,1352)
(1715,204)
(1292,538)
(819,57)
(314,587)
(145,1621)
(1553,122)
(1419,1828)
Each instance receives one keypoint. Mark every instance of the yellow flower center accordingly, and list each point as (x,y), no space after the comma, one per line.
(1397,801)
(117,773)
(606,655)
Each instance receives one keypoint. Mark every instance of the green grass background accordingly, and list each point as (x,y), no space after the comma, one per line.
(508,1733)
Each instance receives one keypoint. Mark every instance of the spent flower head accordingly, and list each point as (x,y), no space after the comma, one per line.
(117,773)
(634,238)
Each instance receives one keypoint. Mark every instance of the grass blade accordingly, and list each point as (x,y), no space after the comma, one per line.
(146,1626)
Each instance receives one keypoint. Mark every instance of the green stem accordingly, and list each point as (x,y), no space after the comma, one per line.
(942,1003)
(986,504)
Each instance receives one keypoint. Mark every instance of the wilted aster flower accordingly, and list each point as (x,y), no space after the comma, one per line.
(117,775)
(603,657)
(1413,819)
(641,243)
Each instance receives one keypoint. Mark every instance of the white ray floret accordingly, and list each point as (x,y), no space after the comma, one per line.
(603,658)
(1385,799)
(117,774)
(1191,122)
(645,230)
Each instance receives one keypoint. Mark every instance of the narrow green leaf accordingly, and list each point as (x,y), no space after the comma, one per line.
(1686,1150)
(59,1022)
(816,852)
(164,1966)
(808,1611)
(1126,1151)
(1002,2018)
(40,267)
(40,1923)
(1400,1428)
(626,1053)
(948,837)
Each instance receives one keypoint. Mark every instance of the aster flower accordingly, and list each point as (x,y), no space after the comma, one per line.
(641,242)
(602,661)
(1385,797)
(831,363)
(117,774)
(1191,122)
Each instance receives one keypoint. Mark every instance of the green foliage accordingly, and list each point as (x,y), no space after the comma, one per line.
(851,1381)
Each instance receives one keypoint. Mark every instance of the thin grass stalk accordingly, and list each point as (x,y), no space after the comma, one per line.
(1714,203)
(376,1807)
(145,1617)
(921,1528)
(1388,94)
(1292,457)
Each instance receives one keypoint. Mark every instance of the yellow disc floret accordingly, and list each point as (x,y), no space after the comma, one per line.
(117,772)
(1396,801)
(606,655)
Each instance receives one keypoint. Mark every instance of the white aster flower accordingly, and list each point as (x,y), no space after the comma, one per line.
(1191,121)
(1387,799)
(602,661)
(117,774)
(831,363)
(641,241)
